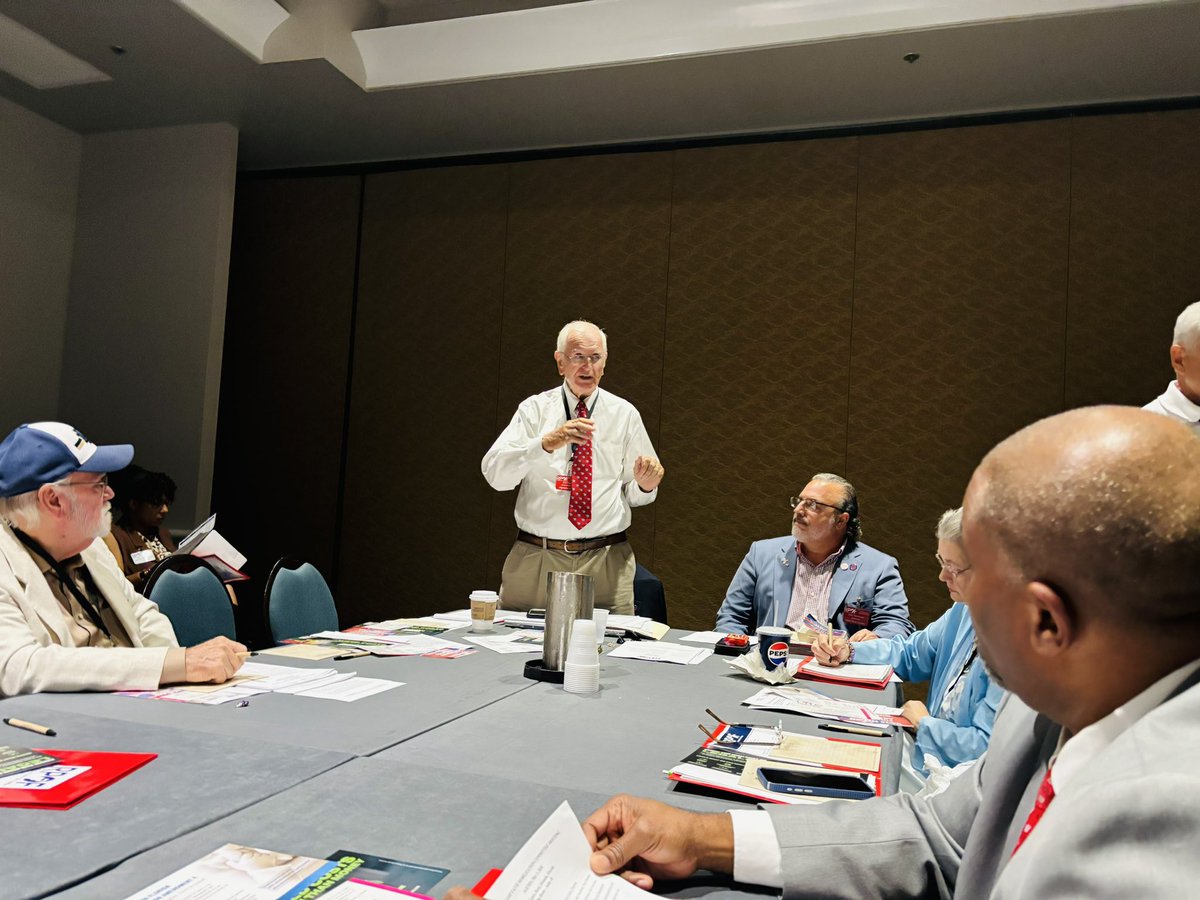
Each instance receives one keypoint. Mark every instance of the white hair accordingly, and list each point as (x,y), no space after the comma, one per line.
(949,526)
(1187,327)
(579,326)
(21,511)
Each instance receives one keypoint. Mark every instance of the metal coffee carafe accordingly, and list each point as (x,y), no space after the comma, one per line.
(569,596)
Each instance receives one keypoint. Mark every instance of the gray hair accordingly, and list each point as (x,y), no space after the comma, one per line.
(849,504)
(949,526)
(1187,327)
(21,511)
(579,325)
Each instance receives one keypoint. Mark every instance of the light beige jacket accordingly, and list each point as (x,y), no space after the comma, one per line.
(37,652)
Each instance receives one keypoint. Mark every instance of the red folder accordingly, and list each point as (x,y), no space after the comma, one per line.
(802,672)
(105,769)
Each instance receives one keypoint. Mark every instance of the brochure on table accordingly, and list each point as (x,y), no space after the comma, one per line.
(238,872)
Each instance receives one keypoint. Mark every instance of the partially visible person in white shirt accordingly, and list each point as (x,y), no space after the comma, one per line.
(1181,399)
(582,459)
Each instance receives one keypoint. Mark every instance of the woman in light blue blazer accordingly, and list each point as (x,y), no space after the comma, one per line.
(957,722)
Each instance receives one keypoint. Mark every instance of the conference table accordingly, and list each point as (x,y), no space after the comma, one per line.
(454,769)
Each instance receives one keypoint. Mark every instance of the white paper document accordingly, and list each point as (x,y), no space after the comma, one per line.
(350,689)
(418,645)
(813,703)
(513,642)
(554,865)
(267,677)
(662,651)
(711,637)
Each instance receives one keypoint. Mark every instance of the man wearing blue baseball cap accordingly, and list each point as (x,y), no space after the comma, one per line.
(69,620)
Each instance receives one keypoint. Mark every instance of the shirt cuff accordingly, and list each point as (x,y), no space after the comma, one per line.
(756,855)
(174,670)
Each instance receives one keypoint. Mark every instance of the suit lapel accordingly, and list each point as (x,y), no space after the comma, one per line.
(843,580)
(41,601)
(785,577)
(104,578)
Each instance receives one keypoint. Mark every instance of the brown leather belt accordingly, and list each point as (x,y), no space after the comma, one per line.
(571,546)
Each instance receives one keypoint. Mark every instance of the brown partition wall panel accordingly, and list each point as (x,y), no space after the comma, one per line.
(959,321)
(758,346)
(587,238)
(283,376)
(1135,251)
(415,509)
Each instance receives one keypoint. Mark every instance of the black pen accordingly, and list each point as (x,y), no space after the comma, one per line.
(355,655)
(854,729)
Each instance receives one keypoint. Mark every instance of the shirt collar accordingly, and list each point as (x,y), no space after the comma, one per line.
(574,400)
(800,557)
(1073,754)
(1176,404)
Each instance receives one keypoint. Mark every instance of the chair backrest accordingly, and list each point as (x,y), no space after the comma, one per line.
(181,563)
(649,597)
(196,603)
(298,601)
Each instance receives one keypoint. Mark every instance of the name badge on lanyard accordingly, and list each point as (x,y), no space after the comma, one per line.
(141,557)
(562,483)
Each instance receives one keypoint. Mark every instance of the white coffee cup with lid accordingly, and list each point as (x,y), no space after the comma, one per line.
(483,610)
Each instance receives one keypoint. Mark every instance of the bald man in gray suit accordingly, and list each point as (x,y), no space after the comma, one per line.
(1084,534)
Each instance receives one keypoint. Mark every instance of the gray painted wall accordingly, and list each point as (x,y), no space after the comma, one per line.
(146,316)
(39,176)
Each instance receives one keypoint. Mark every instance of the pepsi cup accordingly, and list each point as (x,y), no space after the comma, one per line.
(773,646)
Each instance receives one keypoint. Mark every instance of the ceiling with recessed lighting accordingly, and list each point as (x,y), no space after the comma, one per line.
(319,82)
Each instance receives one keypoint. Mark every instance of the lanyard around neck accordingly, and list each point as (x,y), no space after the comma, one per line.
(570,415)
(67,581)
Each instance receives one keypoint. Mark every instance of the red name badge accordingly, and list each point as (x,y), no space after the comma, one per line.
(856,617)
(562,483)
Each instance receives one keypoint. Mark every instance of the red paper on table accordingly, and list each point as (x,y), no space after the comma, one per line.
(481,889)
(804,670)
(103,769)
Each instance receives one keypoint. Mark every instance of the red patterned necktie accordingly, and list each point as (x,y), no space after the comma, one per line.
(580,511)
(1044,795)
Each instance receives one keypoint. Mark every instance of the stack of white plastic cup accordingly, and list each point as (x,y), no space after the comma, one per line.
(600,617)
(581,672)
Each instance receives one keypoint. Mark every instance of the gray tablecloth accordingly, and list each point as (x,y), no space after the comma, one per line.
(464,822)
(643,720)
(196,779)
(435,691)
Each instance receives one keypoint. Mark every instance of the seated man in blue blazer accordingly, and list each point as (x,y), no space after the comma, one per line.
(822,569)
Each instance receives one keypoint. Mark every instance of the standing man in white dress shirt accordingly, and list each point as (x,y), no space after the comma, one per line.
(582,459)
(1181,399)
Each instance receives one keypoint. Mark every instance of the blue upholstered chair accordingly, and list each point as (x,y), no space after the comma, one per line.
(196,603)
(649,598)
(298,601)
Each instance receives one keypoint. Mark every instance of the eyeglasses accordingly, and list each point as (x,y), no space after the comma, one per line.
(578,359)
(98,486)
(810,505)
(951,570)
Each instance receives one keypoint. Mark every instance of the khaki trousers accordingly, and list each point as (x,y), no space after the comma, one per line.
(524,578)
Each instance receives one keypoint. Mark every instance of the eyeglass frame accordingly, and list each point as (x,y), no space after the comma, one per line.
(578,359)
(810,504)
(952,571)
(102,484)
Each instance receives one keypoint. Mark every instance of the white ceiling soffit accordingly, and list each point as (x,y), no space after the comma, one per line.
(26,55)
(615,32)
(244,23)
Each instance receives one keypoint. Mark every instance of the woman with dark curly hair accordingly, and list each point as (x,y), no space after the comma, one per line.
(138,539)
